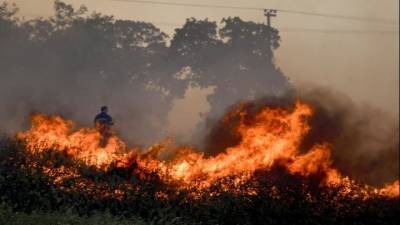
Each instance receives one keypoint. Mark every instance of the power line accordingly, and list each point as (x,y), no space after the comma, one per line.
(304,30)
(327,31)
(335,16)
(191,5)
(281,29)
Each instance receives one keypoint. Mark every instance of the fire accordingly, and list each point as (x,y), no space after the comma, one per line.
(271,136)
(274,134)
(391,190)
(53,132)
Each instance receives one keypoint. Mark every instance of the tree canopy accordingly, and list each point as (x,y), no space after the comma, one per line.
(76,60)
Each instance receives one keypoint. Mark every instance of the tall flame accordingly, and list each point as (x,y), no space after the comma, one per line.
(270,137)
(53,132)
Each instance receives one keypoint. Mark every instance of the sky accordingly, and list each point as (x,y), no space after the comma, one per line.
(357,58)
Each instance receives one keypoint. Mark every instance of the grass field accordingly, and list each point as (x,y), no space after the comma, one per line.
(29,196)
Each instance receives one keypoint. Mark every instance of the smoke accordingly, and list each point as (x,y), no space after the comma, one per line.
(73,64)
(364,140)
(80,100)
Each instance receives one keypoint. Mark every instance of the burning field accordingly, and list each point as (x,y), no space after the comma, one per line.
(289,153)
(266,175)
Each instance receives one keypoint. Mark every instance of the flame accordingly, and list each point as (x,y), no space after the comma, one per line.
(274,134)
(53,132)
(390,190)
(270,137)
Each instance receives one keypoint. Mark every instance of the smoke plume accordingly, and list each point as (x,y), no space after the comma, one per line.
(364,140)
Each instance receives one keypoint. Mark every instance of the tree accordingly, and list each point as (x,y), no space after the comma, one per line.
(237,59)
(78,59)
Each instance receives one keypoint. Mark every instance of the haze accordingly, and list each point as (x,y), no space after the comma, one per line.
(358,58)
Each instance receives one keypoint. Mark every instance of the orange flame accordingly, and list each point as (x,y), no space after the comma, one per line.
(272,136)
(53,132)
(390,190)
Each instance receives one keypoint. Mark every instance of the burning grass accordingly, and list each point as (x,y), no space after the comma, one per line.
(264,178)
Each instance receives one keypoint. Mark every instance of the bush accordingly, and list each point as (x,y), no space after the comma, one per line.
(30,196)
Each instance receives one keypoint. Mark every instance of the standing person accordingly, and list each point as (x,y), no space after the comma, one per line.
(103,123)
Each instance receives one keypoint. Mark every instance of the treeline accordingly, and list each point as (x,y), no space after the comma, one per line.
(76,60)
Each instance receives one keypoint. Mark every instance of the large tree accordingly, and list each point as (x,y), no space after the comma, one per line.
(76,60)
(236,59)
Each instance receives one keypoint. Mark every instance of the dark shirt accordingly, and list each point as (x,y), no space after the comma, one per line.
(103,117)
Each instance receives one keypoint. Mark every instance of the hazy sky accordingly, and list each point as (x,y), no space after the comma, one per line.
(352,58)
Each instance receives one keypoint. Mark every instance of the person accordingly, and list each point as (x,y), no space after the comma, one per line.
(103,117)
(103,122)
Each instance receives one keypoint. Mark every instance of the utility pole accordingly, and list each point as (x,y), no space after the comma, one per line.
(269,13)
